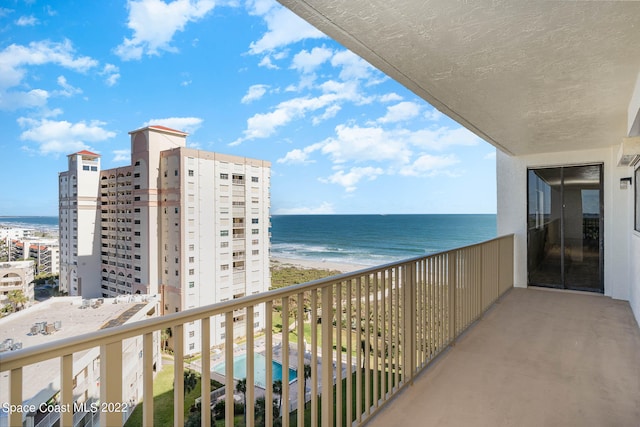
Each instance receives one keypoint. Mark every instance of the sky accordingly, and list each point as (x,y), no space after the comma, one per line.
(247,78)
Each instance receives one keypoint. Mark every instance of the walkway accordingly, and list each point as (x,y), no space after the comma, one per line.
(538,358)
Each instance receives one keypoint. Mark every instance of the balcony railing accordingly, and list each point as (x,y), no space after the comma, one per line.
(371,332)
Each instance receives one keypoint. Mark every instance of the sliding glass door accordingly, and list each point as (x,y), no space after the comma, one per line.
(565,208)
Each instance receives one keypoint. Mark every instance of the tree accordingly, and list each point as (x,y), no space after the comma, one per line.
(277,389)
(307,375)
(241,387)
(17,299)
(261,411)
(190,381)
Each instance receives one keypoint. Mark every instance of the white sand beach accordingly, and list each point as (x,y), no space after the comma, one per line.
(318,264)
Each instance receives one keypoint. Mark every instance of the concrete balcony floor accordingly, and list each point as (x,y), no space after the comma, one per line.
(537,358)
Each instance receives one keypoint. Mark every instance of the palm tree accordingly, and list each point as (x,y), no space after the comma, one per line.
(307,375)
(17,299)
(277,389)
(190,381)
(241,387)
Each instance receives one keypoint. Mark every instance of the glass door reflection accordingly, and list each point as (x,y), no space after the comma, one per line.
(564,227)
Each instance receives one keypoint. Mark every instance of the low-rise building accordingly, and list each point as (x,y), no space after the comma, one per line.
(64,317)
(16,276)
(44,252)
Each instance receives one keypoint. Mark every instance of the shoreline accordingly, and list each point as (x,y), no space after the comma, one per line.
(342,267)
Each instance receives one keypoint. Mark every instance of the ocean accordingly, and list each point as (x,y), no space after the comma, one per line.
(374,239)
(37,222)
(353,239)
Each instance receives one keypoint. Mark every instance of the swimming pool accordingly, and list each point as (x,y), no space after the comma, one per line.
(259,365)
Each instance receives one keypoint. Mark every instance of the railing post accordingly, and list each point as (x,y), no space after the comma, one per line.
(452,282)
(147,379)
(15,417)
(205,384)
(178,375)
(327,359)
(409,317)
(66,388)
(111,382)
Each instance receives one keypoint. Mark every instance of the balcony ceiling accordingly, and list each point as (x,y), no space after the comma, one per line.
(527,76)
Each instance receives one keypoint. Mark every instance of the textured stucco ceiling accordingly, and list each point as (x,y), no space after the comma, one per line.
(527,76)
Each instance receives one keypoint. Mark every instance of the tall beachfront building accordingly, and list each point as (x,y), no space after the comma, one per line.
(189,225)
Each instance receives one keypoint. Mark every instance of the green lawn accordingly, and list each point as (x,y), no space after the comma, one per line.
(163,400)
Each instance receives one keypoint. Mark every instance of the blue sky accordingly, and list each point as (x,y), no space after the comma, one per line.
(246,78)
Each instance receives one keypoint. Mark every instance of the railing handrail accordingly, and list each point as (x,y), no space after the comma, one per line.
(57,348)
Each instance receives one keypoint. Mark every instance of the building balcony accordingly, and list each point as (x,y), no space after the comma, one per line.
(436,340)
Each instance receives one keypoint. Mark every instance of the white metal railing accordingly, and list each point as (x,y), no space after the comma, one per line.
(370,333)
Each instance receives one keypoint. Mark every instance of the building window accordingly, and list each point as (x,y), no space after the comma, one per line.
(254,220)
(224,244)
(176,210)
(254,179)
(192,247)
(190,172)
(255,231)
(192,272)
(224,267)
(175,172)
(255,242)
(255,252)
(192,334)
(192,284)
(85,168)
(192,259)
(224,176)
(177,273)
(94,168)
(224,233)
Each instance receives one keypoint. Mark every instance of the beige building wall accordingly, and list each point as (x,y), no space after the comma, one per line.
(16,276)
(78,211)
(214,241)
(190,225)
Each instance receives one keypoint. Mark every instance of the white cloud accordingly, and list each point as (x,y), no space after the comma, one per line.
(283,27)
(11,101)
(263,125)
(329,113)
(254,93)
(360,144)
(307,62)
(443,137)
(353,67)
(112,74)
(14,58)
(266,62)
(390,97)
(62,137)
(122,156)
(27,21)
(349,179)
(300,156)
(323,209)
(184,124)
(400,112)
(433,114)
(67,89)
(490,156)
(154,23)
(429,165)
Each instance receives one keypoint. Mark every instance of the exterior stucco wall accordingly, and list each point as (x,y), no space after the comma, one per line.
(634,299)
(620,276)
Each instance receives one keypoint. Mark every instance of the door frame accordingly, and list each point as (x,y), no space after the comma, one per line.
(562,284)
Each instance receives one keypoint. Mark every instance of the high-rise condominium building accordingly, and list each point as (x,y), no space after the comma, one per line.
(190,225)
